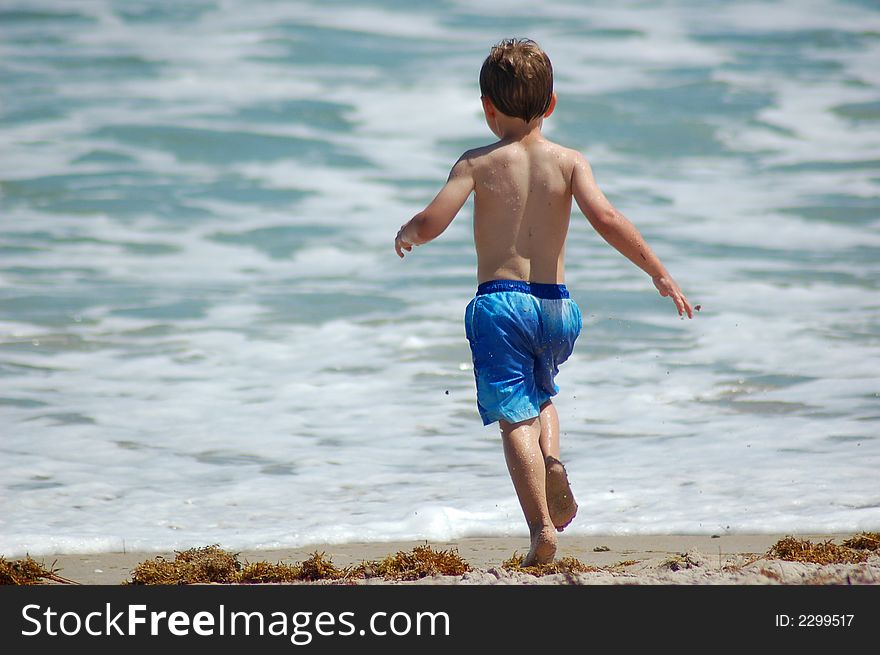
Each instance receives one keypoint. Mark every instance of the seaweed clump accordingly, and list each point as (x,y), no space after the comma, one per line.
(28,571)
(313,569)
(864,541)
(193,566)
(212,564)
(318,568)
(564,565)
(793,549)
(265,573)
(420,562)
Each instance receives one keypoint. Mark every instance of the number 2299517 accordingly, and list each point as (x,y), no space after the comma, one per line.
(814,620)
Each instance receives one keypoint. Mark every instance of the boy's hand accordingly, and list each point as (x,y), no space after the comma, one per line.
(400,243)
(668,288)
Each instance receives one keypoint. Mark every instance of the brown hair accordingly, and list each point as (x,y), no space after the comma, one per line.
(518,78)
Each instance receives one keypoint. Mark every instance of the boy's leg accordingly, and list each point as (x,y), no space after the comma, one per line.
(525,462)
(560,499)
(549,430)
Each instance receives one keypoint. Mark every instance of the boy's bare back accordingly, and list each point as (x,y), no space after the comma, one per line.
(522,205)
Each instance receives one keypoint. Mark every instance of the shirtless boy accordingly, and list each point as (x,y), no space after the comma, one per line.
(522,324)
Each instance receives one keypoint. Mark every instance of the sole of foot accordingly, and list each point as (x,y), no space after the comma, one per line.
(560,499)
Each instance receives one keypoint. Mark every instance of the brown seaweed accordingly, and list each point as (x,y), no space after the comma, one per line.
(564,565)
(793,549)
(28,571)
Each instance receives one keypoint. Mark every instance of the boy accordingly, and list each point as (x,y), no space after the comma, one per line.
(522,324)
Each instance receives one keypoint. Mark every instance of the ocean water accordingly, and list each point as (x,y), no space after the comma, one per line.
(206,336)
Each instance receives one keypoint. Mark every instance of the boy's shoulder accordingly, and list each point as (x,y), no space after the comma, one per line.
(502,152)
(475,155)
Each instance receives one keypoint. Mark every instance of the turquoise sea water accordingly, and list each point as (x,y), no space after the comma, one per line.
(206,337)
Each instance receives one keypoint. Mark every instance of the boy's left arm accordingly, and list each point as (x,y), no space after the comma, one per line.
(619,231)
(433,220)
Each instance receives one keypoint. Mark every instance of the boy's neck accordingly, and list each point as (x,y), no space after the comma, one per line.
(516,129)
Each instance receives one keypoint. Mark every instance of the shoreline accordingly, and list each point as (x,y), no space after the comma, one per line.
(636,559)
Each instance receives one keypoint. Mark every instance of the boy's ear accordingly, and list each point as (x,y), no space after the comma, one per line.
(488,107)
(552,105)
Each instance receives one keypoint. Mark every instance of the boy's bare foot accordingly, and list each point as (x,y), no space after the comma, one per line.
(543,548)
(560,499)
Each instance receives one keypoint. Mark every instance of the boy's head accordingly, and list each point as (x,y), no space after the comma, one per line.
(517,78)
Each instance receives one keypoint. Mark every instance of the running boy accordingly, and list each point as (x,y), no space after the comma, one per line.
(522,324)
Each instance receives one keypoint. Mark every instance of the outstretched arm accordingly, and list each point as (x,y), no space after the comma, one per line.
(433,220)
(619,231)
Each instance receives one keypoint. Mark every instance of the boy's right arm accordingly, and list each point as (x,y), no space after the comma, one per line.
(619,231)
(431,222)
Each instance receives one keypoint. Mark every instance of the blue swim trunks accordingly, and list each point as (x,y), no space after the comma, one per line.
(519,332)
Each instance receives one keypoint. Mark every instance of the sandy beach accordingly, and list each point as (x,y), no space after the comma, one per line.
(739,559)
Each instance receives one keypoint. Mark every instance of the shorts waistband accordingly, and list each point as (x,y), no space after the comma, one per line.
(537,289)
